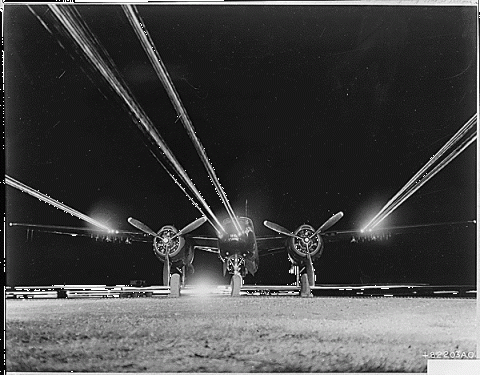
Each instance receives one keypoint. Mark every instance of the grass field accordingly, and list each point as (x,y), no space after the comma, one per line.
(245,334)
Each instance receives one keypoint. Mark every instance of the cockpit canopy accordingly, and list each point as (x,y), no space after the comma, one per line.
(245,223)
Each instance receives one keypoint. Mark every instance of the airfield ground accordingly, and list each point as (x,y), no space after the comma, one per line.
(243,334)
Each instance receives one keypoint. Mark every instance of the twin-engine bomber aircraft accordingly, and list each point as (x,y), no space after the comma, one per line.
(239,252)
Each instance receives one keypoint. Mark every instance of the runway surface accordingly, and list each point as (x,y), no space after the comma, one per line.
(248,334)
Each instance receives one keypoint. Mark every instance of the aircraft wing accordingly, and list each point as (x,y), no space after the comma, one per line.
(203,243)
(209,244)
(98,234)
(268,245)
(384,233)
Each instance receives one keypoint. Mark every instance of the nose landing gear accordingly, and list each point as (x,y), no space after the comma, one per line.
(236,265)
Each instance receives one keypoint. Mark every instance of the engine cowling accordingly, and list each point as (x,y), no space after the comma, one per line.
(297,247)
(164,243)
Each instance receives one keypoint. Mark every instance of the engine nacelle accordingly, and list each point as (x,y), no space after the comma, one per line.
(297,248)
(163,242)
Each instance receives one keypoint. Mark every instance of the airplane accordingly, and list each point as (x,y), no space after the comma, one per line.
(239,252)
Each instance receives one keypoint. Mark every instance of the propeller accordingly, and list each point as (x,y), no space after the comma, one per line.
(187,229)
(190,227)
(280,229)
(328,223)
(286,232)
(306,240)
(139,225)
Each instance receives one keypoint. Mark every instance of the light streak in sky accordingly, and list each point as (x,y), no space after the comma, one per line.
(87,43)
(422,176)
(154,57)
(427,177)
(45,198)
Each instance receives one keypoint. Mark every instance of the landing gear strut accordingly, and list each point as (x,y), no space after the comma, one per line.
(310,272)
(296,271)
(182,280)
(166,273)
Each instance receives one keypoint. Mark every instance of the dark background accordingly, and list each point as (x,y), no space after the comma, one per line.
(304,111)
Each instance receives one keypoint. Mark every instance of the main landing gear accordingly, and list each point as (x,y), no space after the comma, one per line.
(175,285)
(176,281)
(310,273)
(305,279)
(234,265)
(305,287)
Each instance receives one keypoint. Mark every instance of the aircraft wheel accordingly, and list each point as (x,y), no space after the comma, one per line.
(304,286)
(236,284)
(175,286)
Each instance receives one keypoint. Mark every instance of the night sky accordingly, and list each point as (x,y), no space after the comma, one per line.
(304,111)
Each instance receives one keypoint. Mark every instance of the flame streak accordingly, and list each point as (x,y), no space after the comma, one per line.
(152,53)
(45,198)
(86,41)
(422,176)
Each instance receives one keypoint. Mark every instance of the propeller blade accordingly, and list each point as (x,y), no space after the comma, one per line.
(224,268)
(166,271)
(139,225)
(279,229)
(191,227)
(310,270)
(328,223)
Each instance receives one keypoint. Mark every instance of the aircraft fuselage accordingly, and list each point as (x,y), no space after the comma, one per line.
(238,249)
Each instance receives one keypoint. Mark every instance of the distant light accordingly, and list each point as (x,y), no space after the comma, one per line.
(203,287)
(203,290)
